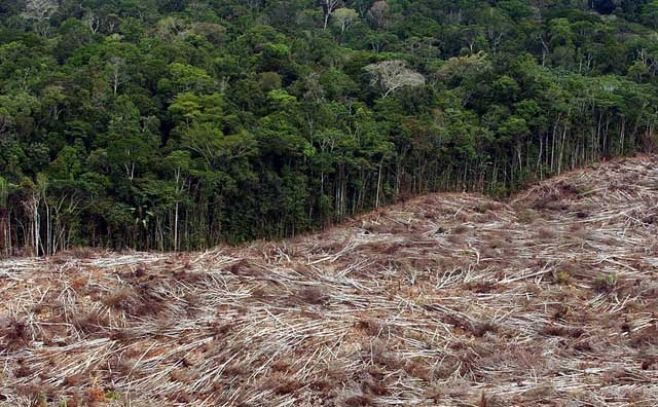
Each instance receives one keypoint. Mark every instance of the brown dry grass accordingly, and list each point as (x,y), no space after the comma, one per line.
(445,300)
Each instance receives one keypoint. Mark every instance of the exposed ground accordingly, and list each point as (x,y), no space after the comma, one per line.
(449,299)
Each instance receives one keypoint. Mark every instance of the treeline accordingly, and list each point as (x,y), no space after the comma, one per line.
(178,124)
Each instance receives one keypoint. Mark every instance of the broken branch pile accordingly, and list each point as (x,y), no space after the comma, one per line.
(448,299)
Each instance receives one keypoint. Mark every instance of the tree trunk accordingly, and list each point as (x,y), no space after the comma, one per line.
(326,19)
(176,228)
(379,183)
(5,236)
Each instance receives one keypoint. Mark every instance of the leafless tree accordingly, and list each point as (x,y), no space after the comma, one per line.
(116,68)
(328,6)
(393,75)
(93,22)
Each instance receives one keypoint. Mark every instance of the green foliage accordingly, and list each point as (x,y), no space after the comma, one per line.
(177,125)
(191,108)
(605,282)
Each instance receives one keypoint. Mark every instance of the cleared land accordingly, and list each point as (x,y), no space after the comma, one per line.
(449,299)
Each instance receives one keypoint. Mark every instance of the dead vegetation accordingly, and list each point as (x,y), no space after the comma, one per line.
(449,299)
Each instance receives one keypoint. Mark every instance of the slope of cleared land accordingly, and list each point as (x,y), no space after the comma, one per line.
(449,299)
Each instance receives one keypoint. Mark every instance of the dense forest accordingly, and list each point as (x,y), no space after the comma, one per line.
(178,124)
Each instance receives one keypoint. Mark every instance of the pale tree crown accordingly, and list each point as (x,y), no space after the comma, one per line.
(393,75)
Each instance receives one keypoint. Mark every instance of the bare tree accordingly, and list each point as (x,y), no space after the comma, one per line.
(40,11)
(328,6)
(93,22)
(393,75)
(111,22)
(5,226)
(116,73)
(32,204)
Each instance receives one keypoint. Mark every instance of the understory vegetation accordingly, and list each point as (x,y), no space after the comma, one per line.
(179,124)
